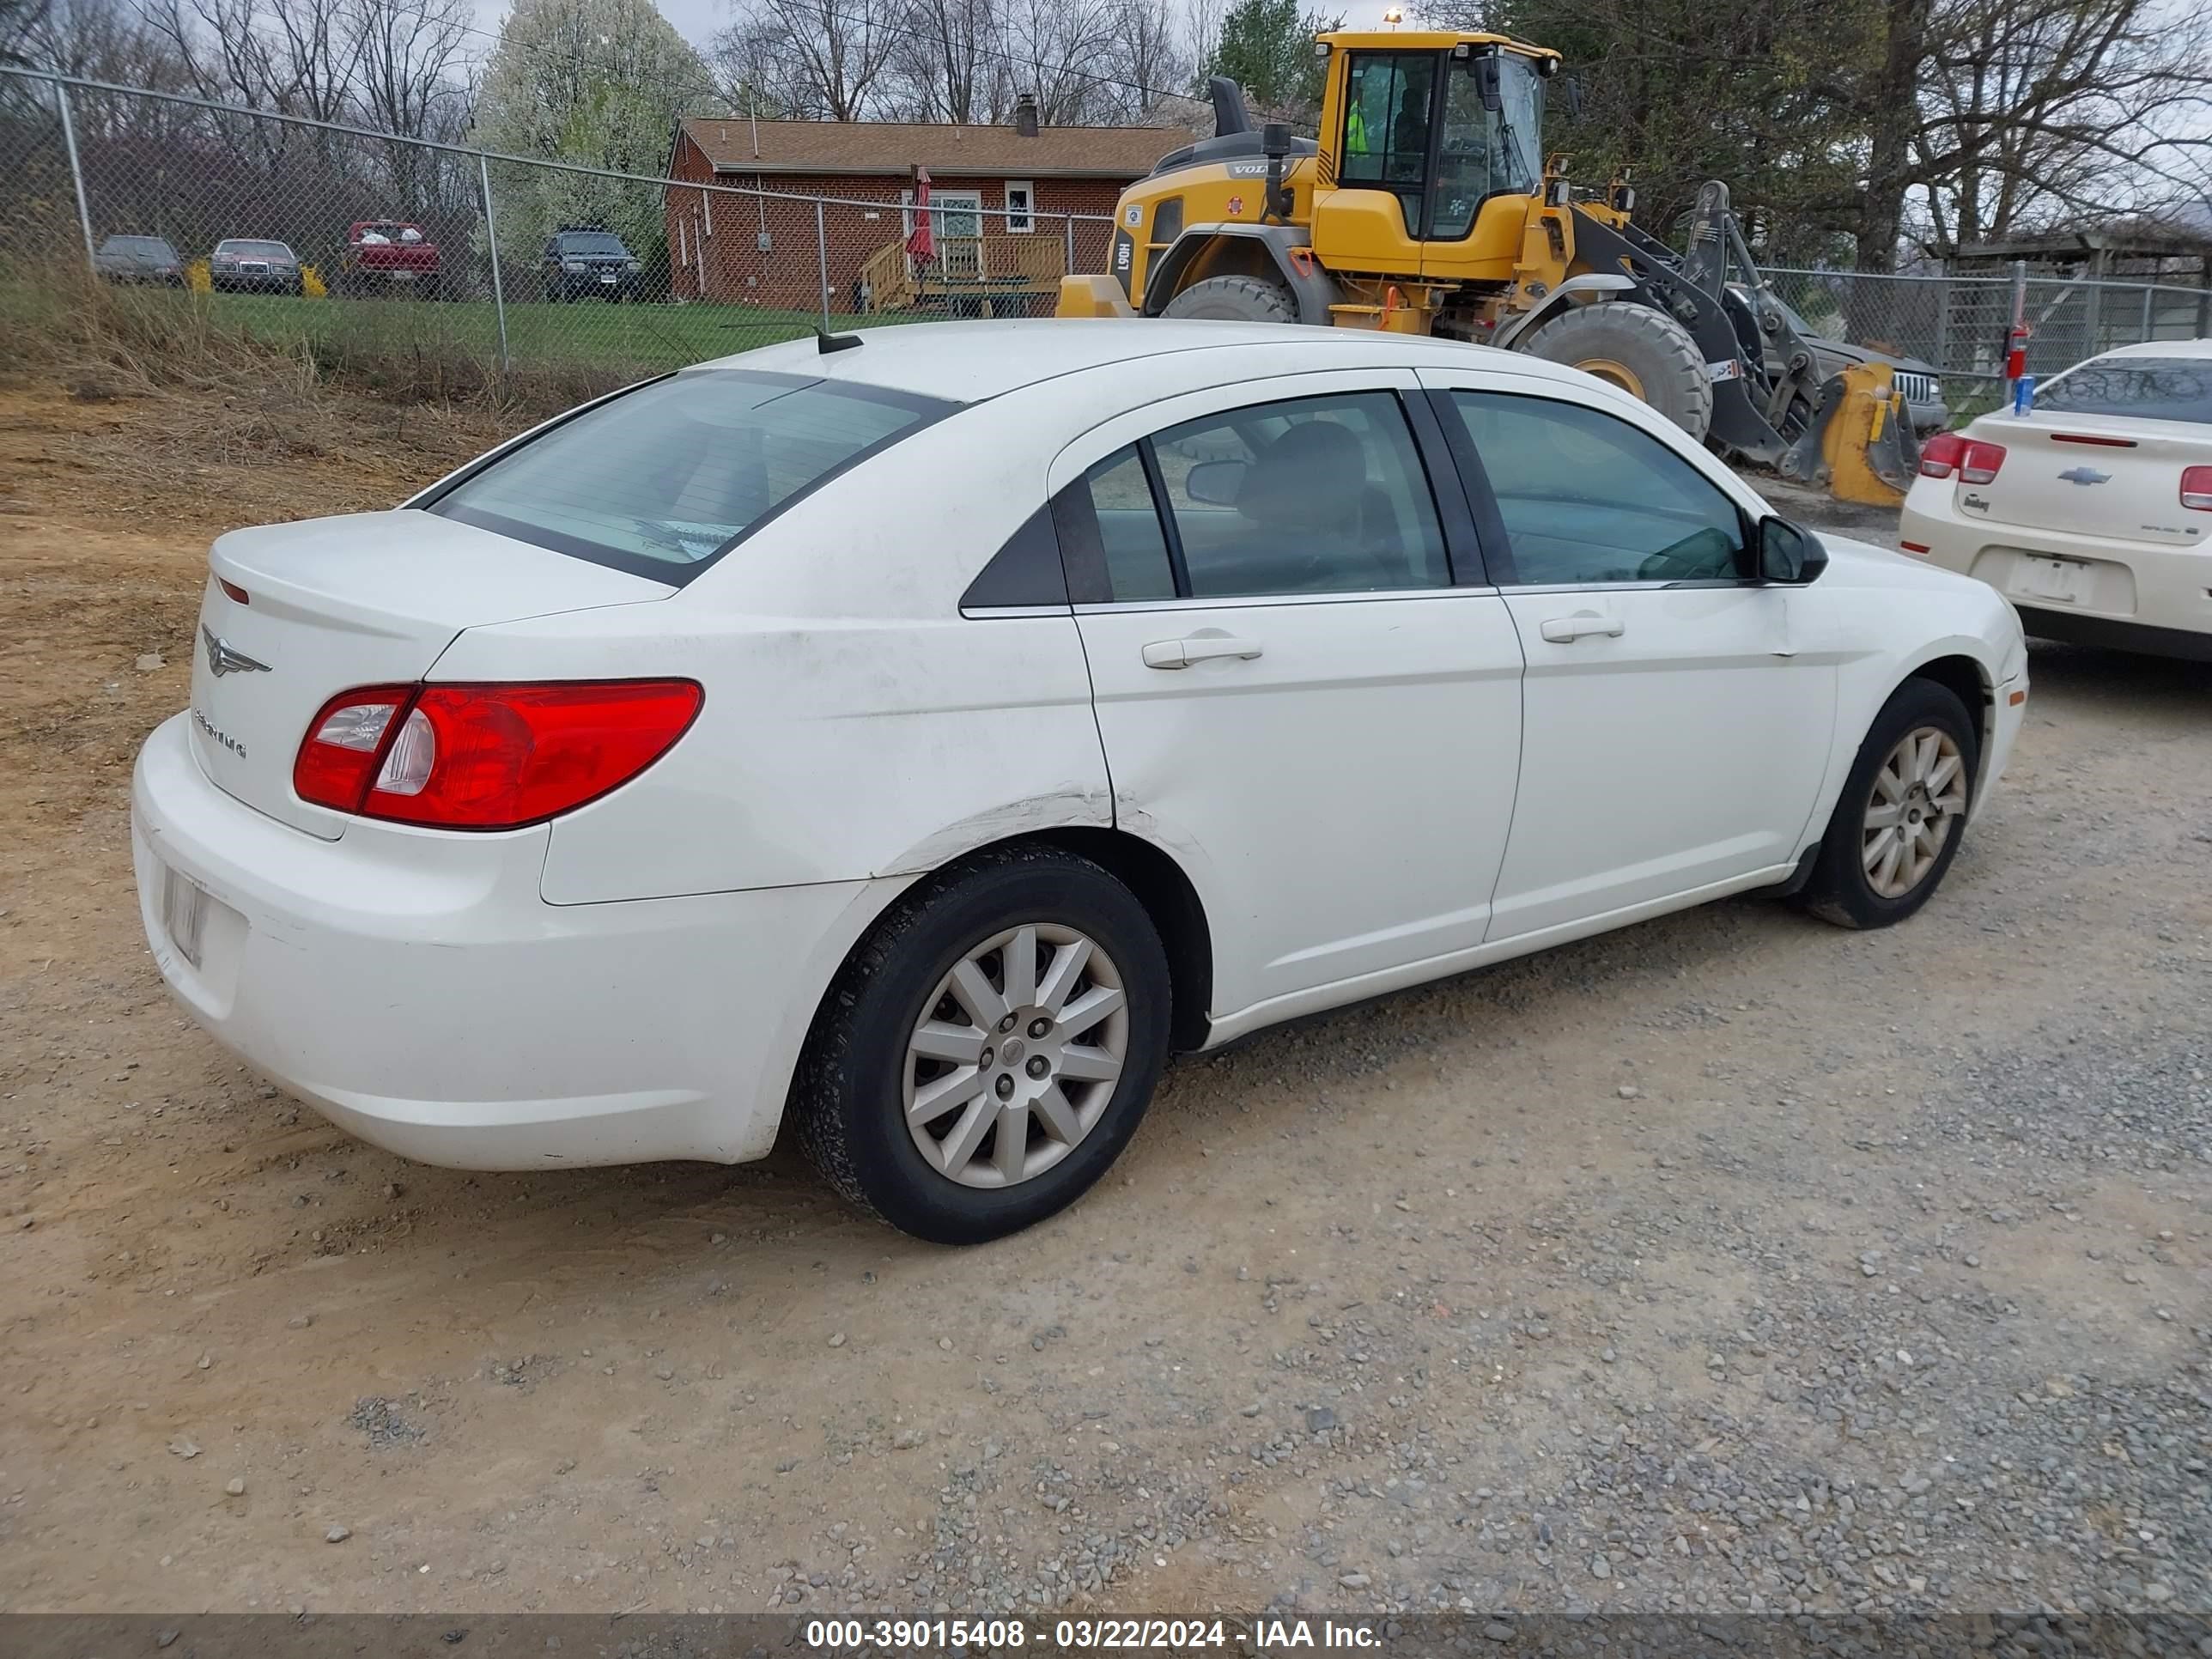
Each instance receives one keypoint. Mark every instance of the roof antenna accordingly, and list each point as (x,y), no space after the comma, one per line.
(825,342)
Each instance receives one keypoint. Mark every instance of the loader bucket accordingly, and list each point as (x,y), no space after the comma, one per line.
(1860,441)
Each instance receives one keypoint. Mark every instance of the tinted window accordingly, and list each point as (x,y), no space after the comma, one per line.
(590,242)
(2148,388)
(1589,498)
(1315,496)
(255,250)
(664,479)
(1128,526)
(152,246)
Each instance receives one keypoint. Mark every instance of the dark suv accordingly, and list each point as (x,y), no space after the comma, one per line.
(581,262)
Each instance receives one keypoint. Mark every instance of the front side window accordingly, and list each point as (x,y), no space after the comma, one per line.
(1312,495)
(1588,498)
(2148,388)
(664,479)
(1484,154)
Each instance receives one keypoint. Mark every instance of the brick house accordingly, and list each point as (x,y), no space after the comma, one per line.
(1001,199)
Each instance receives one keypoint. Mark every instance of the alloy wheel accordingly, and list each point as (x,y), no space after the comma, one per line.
(1016,1055)
(1918,798)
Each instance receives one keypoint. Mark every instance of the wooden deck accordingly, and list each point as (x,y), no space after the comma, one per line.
(971,276)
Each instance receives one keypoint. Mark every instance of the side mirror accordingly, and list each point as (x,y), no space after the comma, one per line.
(1215,483)
(1487,83)
(1788,554)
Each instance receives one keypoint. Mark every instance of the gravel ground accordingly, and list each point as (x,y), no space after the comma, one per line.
(1731,1262)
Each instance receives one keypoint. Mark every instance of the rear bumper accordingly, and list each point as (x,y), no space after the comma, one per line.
(2134,596)
(416,988)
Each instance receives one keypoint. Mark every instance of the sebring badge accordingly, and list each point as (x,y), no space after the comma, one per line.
(222,659)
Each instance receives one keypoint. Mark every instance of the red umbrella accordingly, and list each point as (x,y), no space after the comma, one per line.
(920,244)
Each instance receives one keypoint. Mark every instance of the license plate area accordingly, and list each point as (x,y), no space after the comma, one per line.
(606,276)
(2066,581)
(184,915)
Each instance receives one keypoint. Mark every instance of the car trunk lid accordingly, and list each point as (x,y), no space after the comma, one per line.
(370,599)
(2097,474)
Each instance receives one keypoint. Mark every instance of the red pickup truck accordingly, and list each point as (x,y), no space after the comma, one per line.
(389,254)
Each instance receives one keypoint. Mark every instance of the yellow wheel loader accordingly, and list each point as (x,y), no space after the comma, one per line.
(1424,209)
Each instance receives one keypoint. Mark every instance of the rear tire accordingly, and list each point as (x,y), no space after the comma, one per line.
(910,1019)
(1637,348)
(1235,300)
(1903,812)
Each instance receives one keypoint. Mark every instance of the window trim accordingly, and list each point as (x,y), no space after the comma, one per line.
(1482,498)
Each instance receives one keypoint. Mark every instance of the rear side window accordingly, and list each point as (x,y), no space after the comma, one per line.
(664,479)
(2148,388)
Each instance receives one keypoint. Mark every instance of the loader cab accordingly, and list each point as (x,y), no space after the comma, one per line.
(1430,139)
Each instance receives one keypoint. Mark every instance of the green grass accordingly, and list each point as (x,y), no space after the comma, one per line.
(585,334)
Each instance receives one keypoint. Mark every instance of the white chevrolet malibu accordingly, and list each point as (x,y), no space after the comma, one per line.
(2091,513)
(920,737)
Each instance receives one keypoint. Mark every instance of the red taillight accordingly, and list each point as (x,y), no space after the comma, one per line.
(1975,462)
(1920,548)
(238,594)
(2084,438)
(2197,488)
(488,756)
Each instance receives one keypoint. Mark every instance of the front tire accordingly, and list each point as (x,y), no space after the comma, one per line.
(1639,350)
(989,1049)
(1235,300)
(1903,812)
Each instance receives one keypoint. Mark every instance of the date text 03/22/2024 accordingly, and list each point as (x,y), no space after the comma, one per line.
(1266,1635)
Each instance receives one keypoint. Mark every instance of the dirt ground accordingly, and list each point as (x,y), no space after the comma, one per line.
(1730,1261)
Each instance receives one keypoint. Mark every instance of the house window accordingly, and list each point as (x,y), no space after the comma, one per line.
(1021,206)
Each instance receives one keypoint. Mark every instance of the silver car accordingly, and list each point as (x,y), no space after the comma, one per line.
(244,263)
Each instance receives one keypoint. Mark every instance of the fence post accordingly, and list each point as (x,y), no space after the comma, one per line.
(491,245)
(1942,359)
(1069,224)
(77,173)
(2145,333)
(822,257)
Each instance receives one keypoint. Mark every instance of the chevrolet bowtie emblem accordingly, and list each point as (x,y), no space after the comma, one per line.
(222,659)
(2084,475)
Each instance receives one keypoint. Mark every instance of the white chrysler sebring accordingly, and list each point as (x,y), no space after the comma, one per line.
(919,736)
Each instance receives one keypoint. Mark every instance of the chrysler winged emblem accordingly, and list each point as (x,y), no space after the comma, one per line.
(2084,475)
(222,659)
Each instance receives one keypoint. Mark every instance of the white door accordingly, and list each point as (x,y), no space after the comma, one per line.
(1673,739)
(957,224)
(1294,698)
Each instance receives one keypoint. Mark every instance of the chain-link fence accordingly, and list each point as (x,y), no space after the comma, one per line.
(384,253)
(375,251)
(1962,327)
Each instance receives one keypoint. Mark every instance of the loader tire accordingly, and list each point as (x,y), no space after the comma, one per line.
(1643,352)
(1235,300)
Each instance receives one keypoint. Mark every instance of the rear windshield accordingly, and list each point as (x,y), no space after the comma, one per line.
(255,250)
(592,242)
(2148,388)
(153,245)
(664,479)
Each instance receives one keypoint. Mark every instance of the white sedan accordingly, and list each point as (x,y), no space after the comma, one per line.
(2093,514)
(918,738)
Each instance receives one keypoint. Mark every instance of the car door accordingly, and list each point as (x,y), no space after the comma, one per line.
(1295,696)
(1671,739)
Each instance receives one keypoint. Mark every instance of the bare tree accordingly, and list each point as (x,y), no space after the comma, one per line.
(409,78)
(945,59)
(823,59)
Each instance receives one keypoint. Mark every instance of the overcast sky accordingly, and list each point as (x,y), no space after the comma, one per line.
(697,21)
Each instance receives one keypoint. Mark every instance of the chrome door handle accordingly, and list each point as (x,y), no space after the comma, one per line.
(1566,631)
(1199,648)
